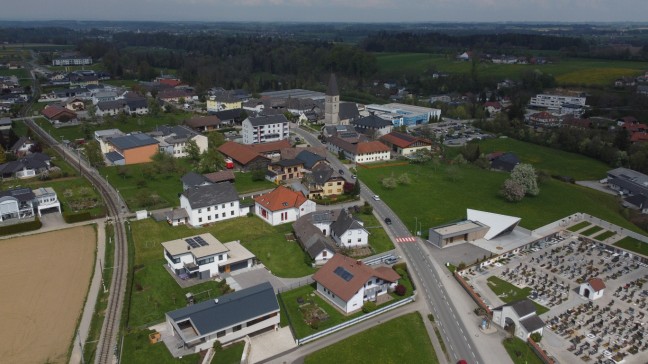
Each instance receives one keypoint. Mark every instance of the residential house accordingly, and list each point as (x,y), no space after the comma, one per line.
(174,140)
(203,256)
(177,216)
(175,95)
(244,157)
(28,166)
(136,106)
(493,107)
(282,205)
(227,318)
(210,203)
(553,102)
(193,179)
(102,137)
(168,80)
(543,118)
(231,116)
(405,144)
(45,199)
(224,100)
(348,283)
(348,232)
(265,129)
(109,108)
(74,104)
(310,159)
(313,233)
(465,56)
(56,114)
(362,152)
(104,96)
(271,149)
(203,124)
(5,124)
(373,126)
(642,89)
(323,181)
(285,169)
(226,175)
(17,203)
(131,149)
(592,289)
(22,146)
(521,314)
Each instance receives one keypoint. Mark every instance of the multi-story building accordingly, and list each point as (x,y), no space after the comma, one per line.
(131,149)
(282,205)
(285,169)
(554,102)
(361,152)
(72,61)
(265,129)
(210,203)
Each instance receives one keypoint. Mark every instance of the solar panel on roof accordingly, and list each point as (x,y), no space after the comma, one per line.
(192,243)
(200,241)
(343,273)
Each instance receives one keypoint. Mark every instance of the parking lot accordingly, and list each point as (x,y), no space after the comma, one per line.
(610,329)
(457,132)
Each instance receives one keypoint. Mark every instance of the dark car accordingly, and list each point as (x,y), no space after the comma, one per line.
(387,221)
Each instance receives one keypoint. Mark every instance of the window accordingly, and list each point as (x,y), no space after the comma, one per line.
(200,219)
(349,241)
(206,261)
(171,258)
(236,328)
(231,213)
(208,217)
(220,256)
(209,209)
(199,211)
(220,333)
(359,240)
(231,203)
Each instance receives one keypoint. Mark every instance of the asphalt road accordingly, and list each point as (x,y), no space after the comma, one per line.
(458,342)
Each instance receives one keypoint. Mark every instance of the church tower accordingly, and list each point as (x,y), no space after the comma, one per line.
(332,102)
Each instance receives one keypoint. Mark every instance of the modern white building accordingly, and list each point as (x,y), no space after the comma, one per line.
(282,205)
(227,318)
(102,136)
(17,203)
(361,152)
(72,61)
(593,289)
(210,203)
(203,256)
(555,102)
(521,314)
(265,129)
(46,199)
(174,140)
(347,283)
(403,114)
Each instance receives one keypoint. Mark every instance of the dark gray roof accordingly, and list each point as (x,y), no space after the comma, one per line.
(20,194)
(210,195)
(532,323)
(231,309)
(114,156)
(505,162)
(132,141)
(19,143)
(5,121)
(637,200)
(332,89)
(289,162)
(30,161)
(523,307)
(173,133)
(345,222)
(372,122)
(309,158)
(110,105)
(175,214)
(629,185)
(322,173)
(267,120)
(309,236)
(193,179)
(139,103)
(348,110)
(232,114)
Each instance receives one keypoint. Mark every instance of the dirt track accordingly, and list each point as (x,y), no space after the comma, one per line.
(43,282)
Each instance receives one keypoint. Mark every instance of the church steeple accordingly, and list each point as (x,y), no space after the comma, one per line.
(332,89)
(332,102)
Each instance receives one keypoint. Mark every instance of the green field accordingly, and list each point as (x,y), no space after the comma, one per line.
(138,350)
(378,238)
(520,352)
(402,340)
(20,73)
(229,355)
(554,161)
(591,231)
(508,292)
(567,71)
(580,226)
(605,235)
(436,197)
(634,245)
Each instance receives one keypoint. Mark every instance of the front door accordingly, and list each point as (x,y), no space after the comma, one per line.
(227,268)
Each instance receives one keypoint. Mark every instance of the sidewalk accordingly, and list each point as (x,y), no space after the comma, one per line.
(91,297)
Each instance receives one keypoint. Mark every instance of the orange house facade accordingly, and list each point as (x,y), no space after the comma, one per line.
(132,149)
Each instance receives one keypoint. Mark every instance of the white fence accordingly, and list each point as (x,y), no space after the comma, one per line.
(346,324)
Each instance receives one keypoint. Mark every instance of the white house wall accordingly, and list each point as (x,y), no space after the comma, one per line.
(372,157)
(206,215)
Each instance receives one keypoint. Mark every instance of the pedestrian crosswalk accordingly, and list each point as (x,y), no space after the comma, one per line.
(406,239)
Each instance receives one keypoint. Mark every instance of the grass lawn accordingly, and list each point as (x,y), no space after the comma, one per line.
(436,198)
(634,245)
(20,73)
(245,184)
(302,329)
(230,355)
(591,231)
(378,238)
(510,293)
(520,352)
(581,225)
(554,161)
(70,133)
(398,341)
(138,350)
(605,235)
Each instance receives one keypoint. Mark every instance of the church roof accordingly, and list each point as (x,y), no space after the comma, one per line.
(332,89)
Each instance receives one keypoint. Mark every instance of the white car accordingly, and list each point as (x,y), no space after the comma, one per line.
(376,197)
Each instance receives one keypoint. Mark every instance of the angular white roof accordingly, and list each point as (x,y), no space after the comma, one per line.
(496,222)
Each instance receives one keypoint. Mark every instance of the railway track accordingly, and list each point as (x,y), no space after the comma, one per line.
(107,346)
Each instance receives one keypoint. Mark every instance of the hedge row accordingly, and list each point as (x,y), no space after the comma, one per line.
(21,228)
(76,217)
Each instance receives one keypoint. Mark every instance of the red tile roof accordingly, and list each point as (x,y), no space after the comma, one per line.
(597,284)
(634,126)
(220,176)
(371,147)
(241,153)
(270,147)
(638,137)
(360,272)
(281,198)
(203,121)
(403,140)
(55,111)
(173,94)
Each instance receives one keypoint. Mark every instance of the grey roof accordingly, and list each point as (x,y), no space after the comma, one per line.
(132,141)
(5,121)
(348,110)
(267,120)
(19,143)
(20,194)
(637,200)
(30,161)
(232,114)
(372,122)
(345,222)
(110,105)
(309,158)
(332,89)
(289,162)
(506,162)
(523,307)
(175,214)
(309,236)
(173,134)
(210,195)
(228,310)
(138,103)
(193,179)
(629,185)
(114,156)
(322,173)
(629,179)
(532,323)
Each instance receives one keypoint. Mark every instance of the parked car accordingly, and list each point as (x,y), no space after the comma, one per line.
(376,197)
(354,176)
(391,260)
(387,221)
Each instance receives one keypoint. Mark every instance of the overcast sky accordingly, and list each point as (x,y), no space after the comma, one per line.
(328,10)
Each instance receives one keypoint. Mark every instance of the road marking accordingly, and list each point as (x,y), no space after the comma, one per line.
(406,239)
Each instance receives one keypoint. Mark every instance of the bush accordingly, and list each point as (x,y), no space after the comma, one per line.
(76,217)
(536,337)
(367,209)
(431,317)
(217,346)
(400,290)
(21,228)
(369,306)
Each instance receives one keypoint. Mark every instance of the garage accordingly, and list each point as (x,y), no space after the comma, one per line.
(233,266)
